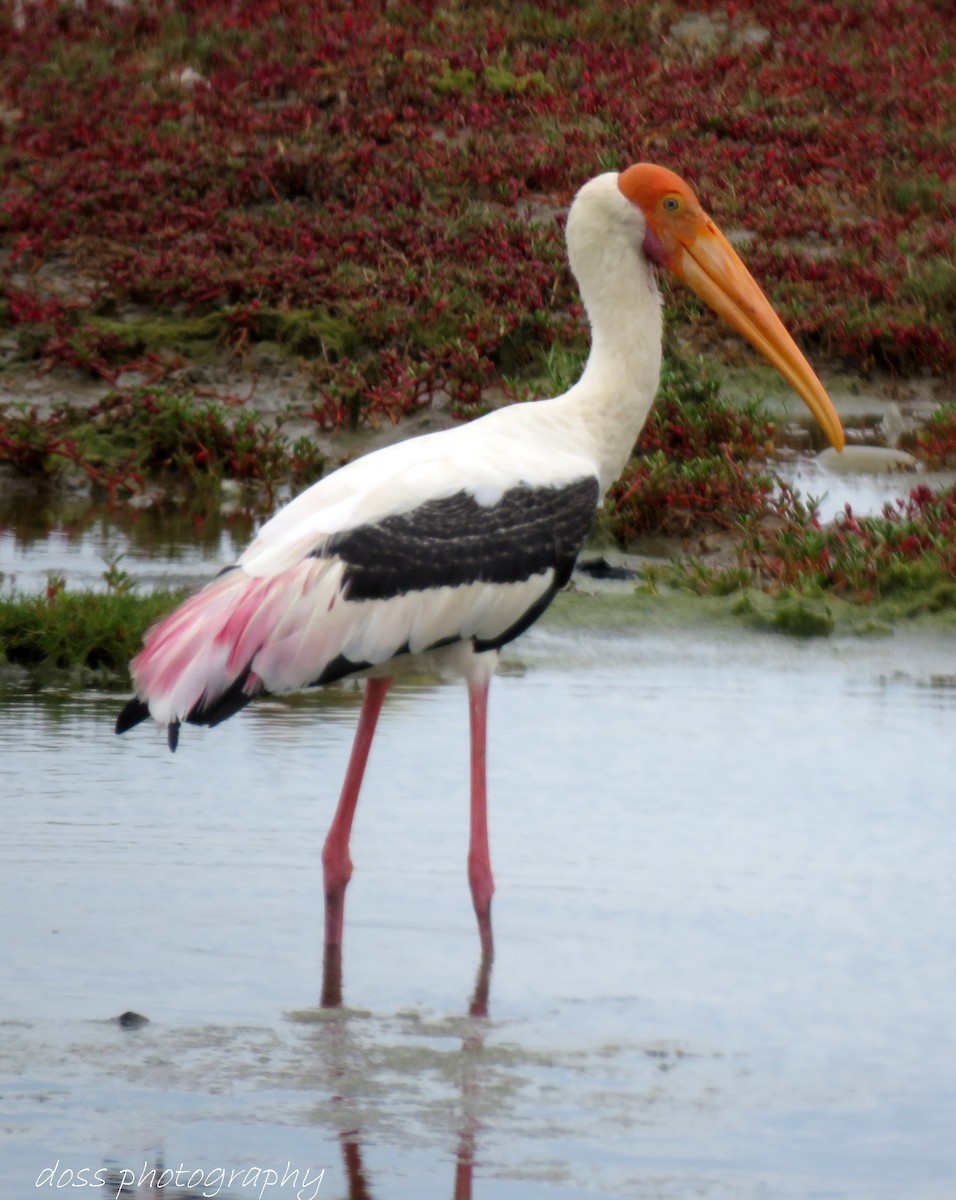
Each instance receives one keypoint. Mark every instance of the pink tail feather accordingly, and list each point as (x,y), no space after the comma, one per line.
(196,662)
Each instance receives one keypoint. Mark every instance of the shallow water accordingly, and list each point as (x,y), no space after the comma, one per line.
(157,545)
(726,878)
(866,492)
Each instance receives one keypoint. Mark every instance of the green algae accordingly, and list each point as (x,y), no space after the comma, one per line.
(794,615)
(296,331)
(641,608)
(196,337)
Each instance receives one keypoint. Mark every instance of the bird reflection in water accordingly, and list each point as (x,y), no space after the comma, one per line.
(335,1044)
(472,1044)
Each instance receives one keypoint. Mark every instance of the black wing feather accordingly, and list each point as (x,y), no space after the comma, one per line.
(132,713)
(457,541)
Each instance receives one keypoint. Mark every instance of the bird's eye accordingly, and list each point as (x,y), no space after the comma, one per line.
(671,203)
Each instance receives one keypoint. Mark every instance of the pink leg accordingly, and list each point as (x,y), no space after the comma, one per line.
(479,856)
(336,863)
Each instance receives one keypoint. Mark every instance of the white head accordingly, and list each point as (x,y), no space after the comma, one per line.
(623,226)
(603,228)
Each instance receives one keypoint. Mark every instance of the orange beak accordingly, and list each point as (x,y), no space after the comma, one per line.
(712,268)
(682,237)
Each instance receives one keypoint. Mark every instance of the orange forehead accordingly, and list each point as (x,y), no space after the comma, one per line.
(646,185)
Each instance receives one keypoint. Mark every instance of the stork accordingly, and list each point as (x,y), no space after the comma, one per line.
(435,552)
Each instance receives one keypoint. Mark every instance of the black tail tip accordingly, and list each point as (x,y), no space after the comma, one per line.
(133,712)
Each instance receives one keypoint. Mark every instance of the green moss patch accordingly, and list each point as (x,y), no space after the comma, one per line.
(78,631)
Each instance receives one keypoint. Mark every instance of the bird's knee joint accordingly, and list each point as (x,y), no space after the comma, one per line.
(336,870)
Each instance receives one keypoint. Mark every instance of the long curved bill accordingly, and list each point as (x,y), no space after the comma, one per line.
(711,266)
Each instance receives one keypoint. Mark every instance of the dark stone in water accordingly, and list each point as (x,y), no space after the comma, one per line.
(131,1020)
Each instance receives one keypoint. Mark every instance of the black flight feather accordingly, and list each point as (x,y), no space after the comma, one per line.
(133,712)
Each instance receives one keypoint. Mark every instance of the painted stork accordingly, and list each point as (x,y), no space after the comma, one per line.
(435,552)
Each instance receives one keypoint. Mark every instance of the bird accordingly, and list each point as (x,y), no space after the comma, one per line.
(435,552)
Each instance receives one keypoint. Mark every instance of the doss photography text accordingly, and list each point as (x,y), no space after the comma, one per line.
(260,1182)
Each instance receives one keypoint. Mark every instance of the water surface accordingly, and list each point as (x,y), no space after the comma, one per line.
(726,879)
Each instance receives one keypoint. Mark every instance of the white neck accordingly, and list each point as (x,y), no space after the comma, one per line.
(617,388)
